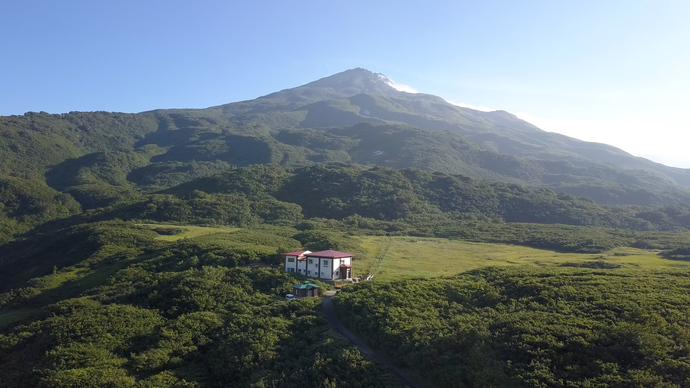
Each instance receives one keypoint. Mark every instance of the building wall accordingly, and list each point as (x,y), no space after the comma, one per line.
(312,267)
(302,267)
(290,266)
(321,267)
(298,264)
(326,268)
(306,293)
(339,262)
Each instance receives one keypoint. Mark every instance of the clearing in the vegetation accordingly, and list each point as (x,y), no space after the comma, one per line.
(390,258)
(168,232)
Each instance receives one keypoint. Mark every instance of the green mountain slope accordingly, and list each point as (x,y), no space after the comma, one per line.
(339,191)
(355,117)
(122,309)
(121,304)
(358,96)
(530,327)
(26,203)
(360,93)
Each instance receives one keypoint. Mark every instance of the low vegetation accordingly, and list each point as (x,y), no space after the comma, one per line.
(531,327)
(205,311)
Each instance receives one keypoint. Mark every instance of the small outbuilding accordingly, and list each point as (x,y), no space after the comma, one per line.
(306,289)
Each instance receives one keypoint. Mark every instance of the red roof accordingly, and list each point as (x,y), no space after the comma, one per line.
(296,253)
(330,253)
(345,266)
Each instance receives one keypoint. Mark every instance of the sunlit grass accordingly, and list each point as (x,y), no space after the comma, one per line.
(188,231)
(65,285)
(426,257)
(57,279)
(7,317)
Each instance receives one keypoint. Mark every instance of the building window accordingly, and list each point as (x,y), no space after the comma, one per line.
(291,259)
(337,273)
(311,261)
(325,263)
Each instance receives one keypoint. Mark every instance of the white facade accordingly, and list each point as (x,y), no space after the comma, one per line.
(296,262)
(328,265)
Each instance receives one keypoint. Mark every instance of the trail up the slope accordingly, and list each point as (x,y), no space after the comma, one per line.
(368,352)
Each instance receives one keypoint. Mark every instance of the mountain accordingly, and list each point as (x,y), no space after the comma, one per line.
(511,149)
(354,117)
(371,98)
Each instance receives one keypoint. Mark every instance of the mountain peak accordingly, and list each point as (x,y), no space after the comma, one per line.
(358,81)
(342,85)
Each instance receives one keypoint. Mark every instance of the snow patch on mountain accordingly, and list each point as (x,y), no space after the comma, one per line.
(470,106)
(395,85)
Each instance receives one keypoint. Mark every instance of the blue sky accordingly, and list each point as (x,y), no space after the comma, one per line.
(609,71)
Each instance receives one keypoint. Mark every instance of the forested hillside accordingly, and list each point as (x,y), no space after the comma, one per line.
(128,304)
(527,327)
(429,202)
(337,191)
(95,156)
(355,117)
(110,305)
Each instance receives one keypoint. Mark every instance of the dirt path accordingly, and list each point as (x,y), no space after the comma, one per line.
(368,352)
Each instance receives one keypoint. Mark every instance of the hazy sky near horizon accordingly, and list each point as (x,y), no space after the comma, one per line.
(610,71)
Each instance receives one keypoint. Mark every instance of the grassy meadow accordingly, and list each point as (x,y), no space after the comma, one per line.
(169,232)
(389,258)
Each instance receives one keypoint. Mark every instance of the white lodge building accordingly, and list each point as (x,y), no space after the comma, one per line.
(329,265)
